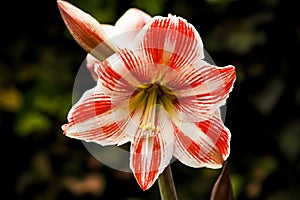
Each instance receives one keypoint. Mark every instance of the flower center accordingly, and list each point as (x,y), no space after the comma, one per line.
(150,96)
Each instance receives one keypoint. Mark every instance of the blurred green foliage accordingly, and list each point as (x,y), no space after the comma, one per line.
(39,62)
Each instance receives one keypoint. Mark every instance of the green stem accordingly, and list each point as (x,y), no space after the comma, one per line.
(166,185)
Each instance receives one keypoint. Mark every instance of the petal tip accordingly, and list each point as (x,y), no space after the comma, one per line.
(144,184)
(65,127)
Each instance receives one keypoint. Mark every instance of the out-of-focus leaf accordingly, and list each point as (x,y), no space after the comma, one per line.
(214,2)
(153,7)
(103,11)
(42,166)
(10,99)
(235,37)
(31,122)
(237,181)
(261,169)
(28,73)
(53,105)
(285,194)
(222,189)
(289,140)
(238,36)
(266,100)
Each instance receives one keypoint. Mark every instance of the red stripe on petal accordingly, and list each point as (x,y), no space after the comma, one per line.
(187,45)
(139,146)
(202,75)
(198,149)
(117,73)
(171,41)
(204,91)
(151,151)
(108,77)
(91,106)
(199,76)
(115,82)
(223,144)
(108,134)
(146,162)
(93,119)
(228,75)
(130,59)
(176,24)
(219,134)
(138,68)
(188,144)
(221,138)
(189,76)
(111,128)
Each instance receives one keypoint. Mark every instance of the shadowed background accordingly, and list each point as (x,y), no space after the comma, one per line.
(39,62)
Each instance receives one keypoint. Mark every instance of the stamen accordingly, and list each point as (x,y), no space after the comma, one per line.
(148,123)
(149,95)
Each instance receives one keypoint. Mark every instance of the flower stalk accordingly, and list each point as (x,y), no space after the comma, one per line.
(166,185)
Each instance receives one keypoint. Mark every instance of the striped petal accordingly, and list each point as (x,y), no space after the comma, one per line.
(122,73)
(152,152)
(115,77)
(143,71)
(171,41)
(201,90)
(86,30)
(202,144)
(93,118)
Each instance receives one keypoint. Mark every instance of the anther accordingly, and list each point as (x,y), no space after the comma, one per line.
(149,127)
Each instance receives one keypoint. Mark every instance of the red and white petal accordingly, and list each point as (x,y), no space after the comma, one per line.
(200,91)
(144,71)
(93,118)
(203,144)
(151,152)
(171,41)
(86,30)
(115,80)
(125,72)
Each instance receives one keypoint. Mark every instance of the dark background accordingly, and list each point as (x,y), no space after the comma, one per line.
(39,62)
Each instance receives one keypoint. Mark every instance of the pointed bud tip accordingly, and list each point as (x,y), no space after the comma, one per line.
(63,4)
(86,30)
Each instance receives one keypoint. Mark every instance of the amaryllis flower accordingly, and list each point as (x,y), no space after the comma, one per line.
(155,91)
